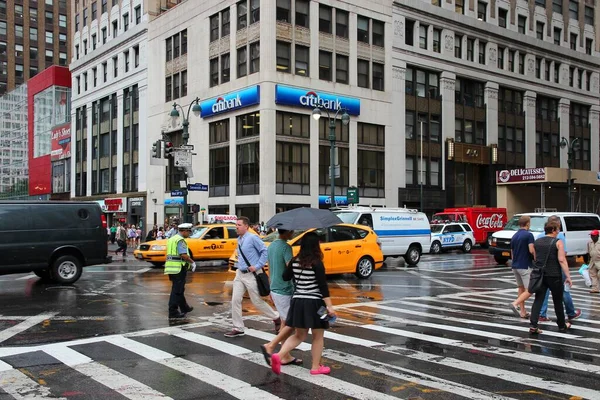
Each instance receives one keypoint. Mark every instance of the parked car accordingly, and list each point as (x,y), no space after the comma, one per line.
(484,221)
(451,236)
(402,231)
(52,239)
(576,227)
(347,249)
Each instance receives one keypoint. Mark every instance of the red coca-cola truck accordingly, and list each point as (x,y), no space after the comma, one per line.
(483,220)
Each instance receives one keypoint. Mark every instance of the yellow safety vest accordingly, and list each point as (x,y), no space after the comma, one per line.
(174,261)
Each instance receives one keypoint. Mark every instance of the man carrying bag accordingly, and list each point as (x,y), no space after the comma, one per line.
(252,257)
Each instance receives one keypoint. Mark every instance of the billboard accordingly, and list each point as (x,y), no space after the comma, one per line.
(61,142)
(520,175)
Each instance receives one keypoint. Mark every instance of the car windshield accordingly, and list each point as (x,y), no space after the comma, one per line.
(271,237)
(196,233)
(436,228)
(537,223)
(442,217)
(346,217)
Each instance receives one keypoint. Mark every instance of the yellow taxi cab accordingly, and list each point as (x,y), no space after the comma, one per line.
(347,249)
(207,242)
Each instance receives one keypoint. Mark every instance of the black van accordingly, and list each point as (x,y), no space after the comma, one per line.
(53,239)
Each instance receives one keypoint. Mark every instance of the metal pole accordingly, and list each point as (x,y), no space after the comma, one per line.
(569,161)
(332,160)
(421,171)
(185,136)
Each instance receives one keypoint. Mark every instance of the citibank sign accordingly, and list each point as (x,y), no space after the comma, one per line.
(230,101)
(292,96)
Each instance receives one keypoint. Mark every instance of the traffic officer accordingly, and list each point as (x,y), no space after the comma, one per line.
(176,266)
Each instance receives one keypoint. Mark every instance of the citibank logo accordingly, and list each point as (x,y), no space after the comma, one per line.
(223,105)
(504,176)
(312,99)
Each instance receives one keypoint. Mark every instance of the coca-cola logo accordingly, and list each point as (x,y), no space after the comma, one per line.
(494,221)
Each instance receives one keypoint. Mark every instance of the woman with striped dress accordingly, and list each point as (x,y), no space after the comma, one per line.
(310,294)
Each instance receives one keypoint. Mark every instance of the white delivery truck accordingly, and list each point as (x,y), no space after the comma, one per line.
(402,231)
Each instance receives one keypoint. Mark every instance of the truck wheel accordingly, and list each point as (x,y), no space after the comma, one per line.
(436,247)
(500,260)
(66,269)
(43,273)
(487,243)
(467,246)
(364,268)
(412,256)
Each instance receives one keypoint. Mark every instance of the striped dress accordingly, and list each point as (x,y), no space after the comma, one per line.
(310,290)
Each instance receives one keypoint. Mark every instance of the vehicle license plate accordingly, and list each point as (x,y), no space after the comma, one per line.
(506,254)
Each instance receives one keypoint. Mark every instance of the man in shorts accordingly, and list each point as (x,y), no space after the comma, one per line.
(279,256)
(522,254)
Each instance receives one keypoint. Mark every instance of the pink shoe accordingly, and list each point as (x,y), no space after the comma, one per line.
(276,364)
(323,370)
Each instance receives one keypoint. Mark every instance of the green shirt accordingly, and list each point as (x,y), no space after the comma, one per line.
(279,255)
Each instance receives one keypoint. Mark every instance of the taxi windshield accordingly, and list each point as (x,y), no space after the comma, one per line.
(196,233)
(346,217)
(436,228)
(537,223)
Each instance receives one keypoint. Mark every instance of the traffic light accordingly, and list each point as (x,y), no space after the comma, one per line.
(168,149)
(156,147)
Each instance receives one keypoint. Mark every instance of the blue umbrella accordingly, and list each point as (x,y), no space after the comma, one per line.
(303,218)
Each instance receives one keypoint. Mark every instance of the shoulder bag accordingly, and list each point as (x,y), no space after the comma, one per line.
(262,280)
(537,275)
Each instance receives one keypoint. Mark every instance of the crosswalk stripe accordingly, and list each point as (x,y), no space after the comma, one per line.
(23,326)
(570,364)
(530,301)
(267,337)
(227,348)
(104,375)
(22,387)
(235,387)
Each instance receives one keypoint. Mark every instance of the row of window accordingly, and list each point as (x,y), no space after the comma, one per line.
(220,69)
(176,45)
(33,15)
(105,70)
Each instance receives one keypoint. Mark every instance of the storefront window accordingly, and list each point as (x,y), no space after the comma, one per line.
(293,168)
(248,168)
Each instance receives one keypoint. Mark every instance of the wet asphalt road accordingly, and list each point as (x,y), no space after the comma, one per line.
(439,331)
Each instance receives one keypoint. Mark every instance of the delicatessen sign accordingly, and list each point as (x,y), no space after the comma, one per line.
(520,175)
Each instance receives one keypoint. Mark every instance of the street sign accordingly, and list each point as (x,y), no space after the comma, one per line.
(336,171)
(198,187)
(177,193)
(187,147)
(352,195)
(183,159)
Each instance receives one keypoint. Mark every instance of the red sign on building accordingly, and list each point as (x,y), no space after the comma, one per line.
(520,175)
(61,142)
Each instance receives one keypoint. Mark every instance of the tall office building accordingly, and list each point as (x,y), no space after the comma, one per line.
(34,35)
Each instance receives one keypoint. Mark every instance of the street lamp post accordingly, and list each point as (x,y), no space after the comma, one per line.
(316,113)
(195,108)
(572,146)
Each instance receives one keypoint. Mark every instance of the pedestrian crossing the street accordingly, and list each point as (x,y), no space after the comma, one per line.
(465,345)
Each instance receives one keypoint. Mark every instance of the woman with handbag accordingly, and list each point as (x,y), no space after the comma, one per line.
(547,274)
(311,294)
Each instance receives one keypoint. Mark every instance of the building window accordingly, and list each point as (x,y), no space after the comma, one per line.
(85,80)
(291,124)
(522,21)
(104,6)
(176,46)
(94,10)
(522,63)
(325,15)
(423,36)
(254,11)
(104,71)
(76,22)
(19,70)
(115,67)
(556,71)
(557,33)
(469,92)
(502,17)
(511,60)
(539,30)
(225,69)
(589,15)
(482,52)
(104,35)
(225,23)
(458,46)
(437,38)
(540,3)
(422,83)
(125,22)
(169,48)
(136,56)
(94,42)
(341,23)
(510,101)
(50,59)
(242,8)
(470,49)
(378,75)
(371,172)
(33,34)
(176,86)
(341,69)
(459,6)
(33,53)
(302,16)
(362,29)
(409,32)
(292,168)
(283,56)
(573,41)
(254,57)
(138,15)
(248,168)
(62,59)
(18,31)
(481,11)
(248,125)
(547,70)
(589,44)
(214,72)
(183,83)
(574,9)
(571,75)
(214,27)
(49,37)
(557,6)
(218,180)
(378,33)
(363,73)
(242,63)
(501,57)
(410,169)
(115,29)
(168,88)
(283,11)
(126,56)
(62,20)
(302,62)
(325,60)
(538,67)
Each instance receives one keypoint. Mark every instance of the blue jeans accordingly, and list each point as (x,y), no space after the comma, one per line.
(567,300)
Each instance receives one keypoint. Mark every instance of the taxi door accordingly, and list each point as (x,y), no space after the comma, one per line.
(215,243)
(345,245)
(231,244)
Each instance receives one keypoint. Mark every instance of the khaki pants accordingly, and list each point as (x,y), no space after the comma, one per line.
(594,276)
(241,283)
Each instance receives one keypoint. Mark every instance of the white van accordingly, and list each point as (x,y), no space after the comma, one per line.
(402,231)
(576,227)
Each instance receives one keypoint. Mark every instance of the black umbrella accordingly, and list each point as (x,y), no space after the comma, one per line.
(303,218)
